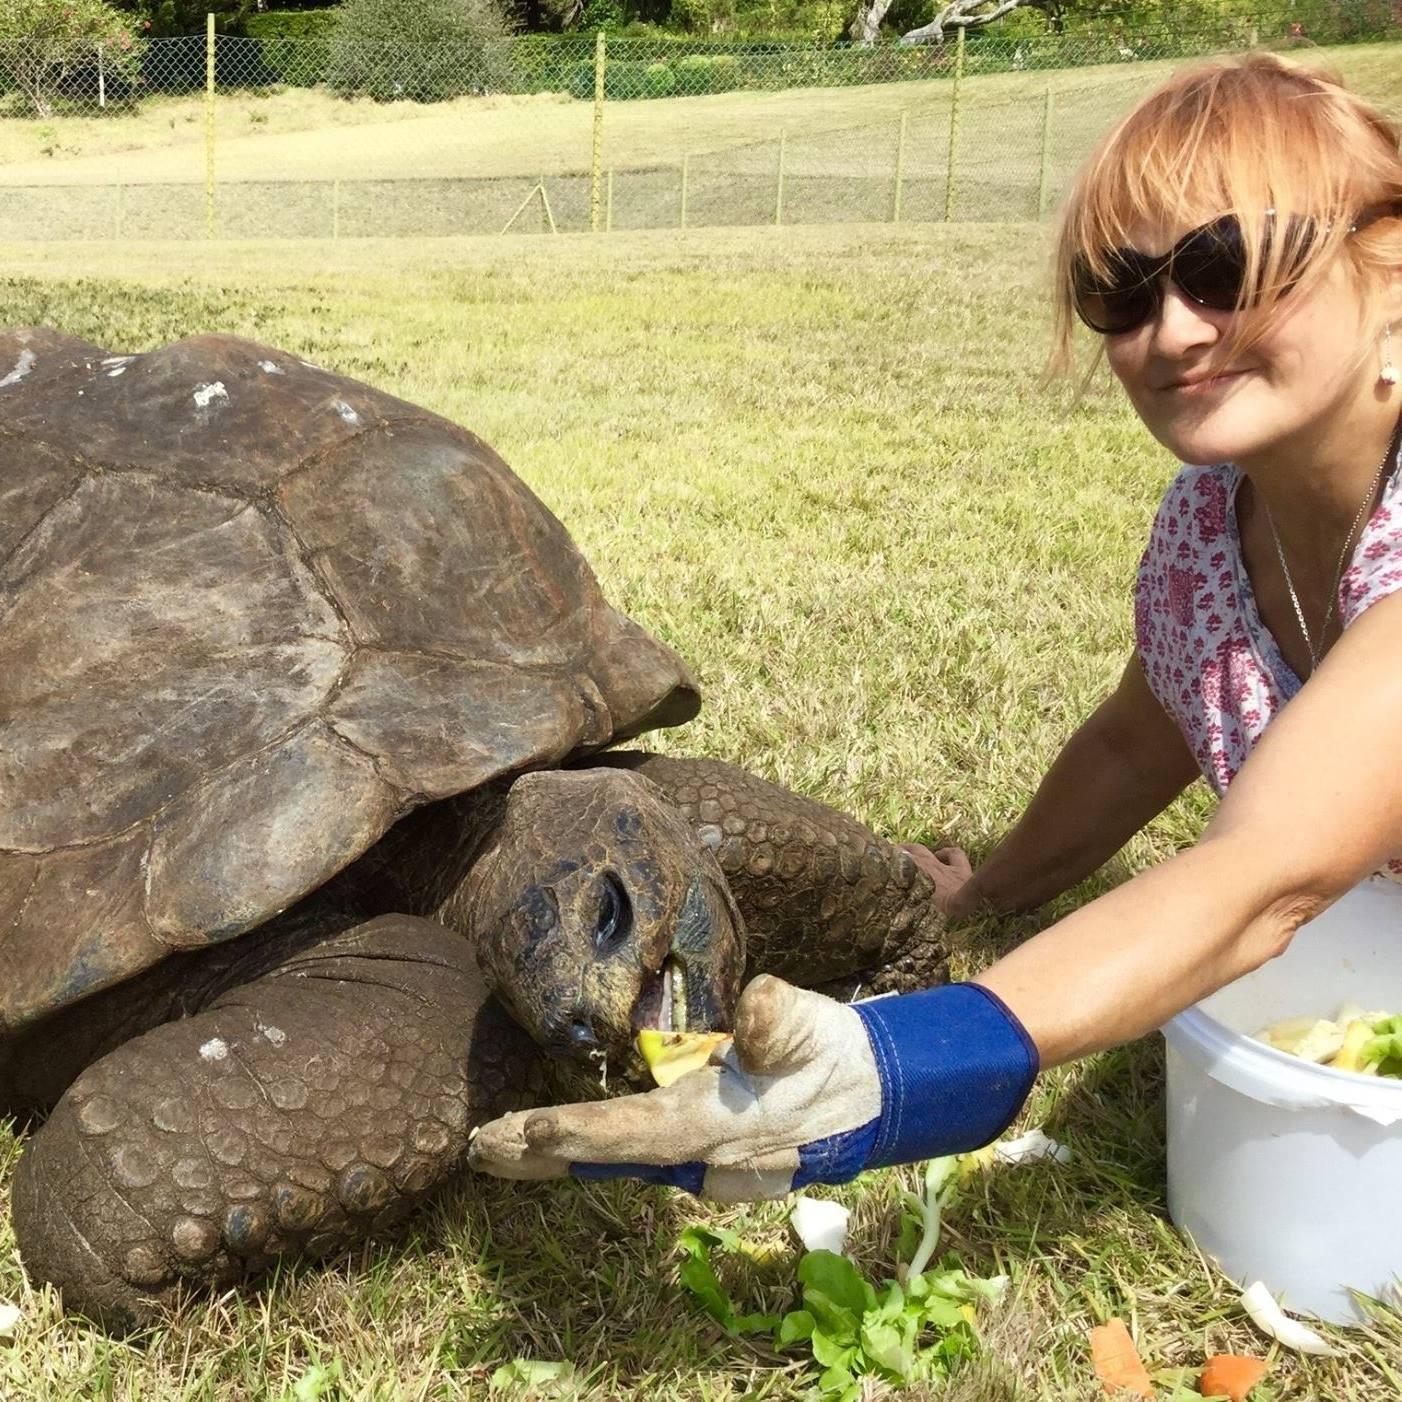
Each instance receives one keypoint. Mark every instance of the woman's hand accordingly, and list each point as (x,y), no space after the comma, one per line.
(950,870)
(809,1091)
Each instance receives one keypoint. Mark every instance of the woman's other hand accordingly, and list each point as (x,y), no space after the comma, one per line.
(950,870)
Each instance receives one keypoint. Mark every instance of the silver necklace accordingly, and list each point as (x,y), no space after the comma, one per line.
(1338,569)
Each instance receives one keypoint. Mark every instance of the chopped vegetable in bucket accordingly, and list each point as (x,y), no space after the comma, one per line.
(1369,1043)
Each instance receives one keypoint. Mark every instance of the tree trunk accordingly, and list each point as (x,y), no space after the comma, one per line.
(866,26)
(964,14)
(30,80)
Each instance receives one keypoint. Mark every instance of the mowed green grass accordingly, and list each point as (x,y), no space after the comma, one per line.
(819,463)
(304,163)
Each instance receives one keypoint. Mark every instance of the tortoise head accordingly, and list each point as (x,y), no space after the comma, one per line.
(599,911)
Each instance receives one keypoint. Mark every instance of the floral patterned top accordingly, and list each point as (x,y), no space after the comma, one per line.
(1207,656)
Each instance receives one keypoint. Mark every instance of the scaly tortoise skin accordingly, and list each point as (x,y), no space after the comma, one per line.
(311,855)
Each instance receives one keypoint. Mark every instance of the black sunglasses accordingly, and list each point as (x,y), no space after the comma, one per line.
(1207,265)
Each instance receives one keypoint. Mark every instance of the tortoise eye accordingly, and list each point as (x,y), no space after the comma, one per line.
(615,915)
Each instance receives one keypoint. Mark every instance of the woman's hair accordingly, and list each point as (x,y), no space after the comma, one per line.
(1246,135)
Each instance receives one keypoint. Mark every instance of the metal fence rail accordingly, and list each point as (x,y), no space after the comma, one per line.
(252,138)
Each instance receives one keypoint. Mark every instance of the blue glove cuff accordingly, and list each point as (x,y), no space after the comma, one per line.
(687,1176)
(955,1067)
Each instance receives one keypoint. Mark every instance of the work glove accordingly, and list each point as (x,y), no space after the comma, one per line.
(809,1090)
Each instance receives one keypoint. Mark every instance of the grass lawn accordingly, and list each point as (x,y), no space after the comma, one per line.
(818,462)
(303,163)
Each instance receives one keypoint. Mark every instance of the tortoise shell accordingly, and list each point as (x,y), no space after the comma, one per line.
(251,614)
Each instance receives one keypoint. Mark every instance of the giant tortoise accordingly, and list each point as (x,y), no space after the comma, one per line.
(314,851)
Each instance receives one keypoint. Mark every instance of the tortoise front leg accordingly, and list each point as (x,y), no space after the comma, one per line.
(295,1115)
(824,898)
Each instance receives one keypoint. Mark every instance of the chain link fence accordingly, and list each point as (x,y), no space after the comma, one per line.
(314,138)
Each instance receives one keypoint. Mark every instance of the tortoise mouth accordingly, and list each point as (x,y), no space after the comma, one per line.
(662,1001)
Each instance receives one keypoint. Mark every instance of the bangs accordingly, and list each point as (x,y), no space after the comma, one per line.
(1288,151)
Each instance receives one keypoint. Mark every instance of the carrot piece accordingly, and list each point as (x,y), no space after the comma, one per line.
(1230,1375)
(1116,1361)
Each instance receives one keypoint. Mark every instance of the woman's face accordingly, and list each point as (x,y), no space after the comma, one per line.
(1316,360)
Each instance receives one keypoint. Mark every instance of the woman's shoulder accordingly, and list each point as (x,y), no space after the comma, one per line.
(1193,511)
(1375,570)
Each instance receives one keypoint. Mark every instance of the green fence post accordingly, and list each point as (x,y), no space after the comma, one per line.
(1046,153)
(954,127)
(685,160)
(600,60)
(779,183)
(209,126)
(900,170)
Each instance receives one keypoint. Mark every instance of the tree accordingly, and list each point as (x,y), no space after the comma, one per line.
(170,18)
(420,50)
(967,14)
(46,44)
(949,14)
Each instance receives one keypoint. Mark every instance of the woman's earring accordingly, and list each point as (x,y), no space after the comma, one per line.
(1388,374)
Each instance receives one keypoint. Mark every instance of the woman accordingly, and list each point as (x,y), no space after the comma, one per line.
(1237,245)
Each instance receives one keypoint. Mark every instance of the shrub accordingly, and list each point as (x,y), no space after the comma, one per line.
(167,18)
(296,44)
(658,80)
(422,50)
(624,79)
(581,81)
(703,73)
(51,47)
(601,14)
(703,16)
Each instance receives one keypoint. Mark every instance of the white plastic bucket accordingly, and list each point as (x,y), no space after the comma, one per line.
(1281,1170)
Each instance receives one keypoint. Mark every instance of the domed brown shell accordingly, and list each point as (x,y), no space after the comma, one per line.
(251,613)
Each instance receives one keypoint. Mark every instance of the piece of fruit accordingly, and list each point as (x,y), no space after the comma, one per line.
(1231,1375)
(1322,1041)
(1116,1361)
(1356,1036)
(1287,1034)
(670,1055)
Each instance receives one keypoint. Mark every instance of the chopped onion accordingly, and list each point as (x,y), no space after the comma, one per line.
(821,1225)
(9,1320)
(1268,1316)
(1029,1147)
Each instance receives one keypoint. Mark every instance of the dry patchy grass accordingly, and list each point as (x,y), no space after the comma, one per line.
(817,462)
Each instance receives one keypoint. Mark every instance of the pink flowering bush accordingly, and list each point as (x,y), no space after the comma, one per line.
(46,44)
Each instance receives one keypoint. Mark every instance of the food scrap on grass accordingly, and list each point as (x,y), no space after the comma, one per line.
(1116,1360)
(1268,1316)
(1231,1375)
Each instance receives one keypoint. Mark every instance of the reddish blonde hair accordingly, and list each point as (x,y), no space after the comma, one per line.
(1242,135)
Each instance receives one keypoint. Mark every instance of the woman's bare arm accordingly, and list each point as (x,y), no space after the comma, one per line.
(1316,808)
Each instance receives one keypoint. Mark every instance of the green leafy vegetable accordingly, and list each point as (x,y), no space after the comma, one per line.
(699,1277)
(854,1330)
(916,1329)
(1384,1048)
(534,1377)
(319,1382)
